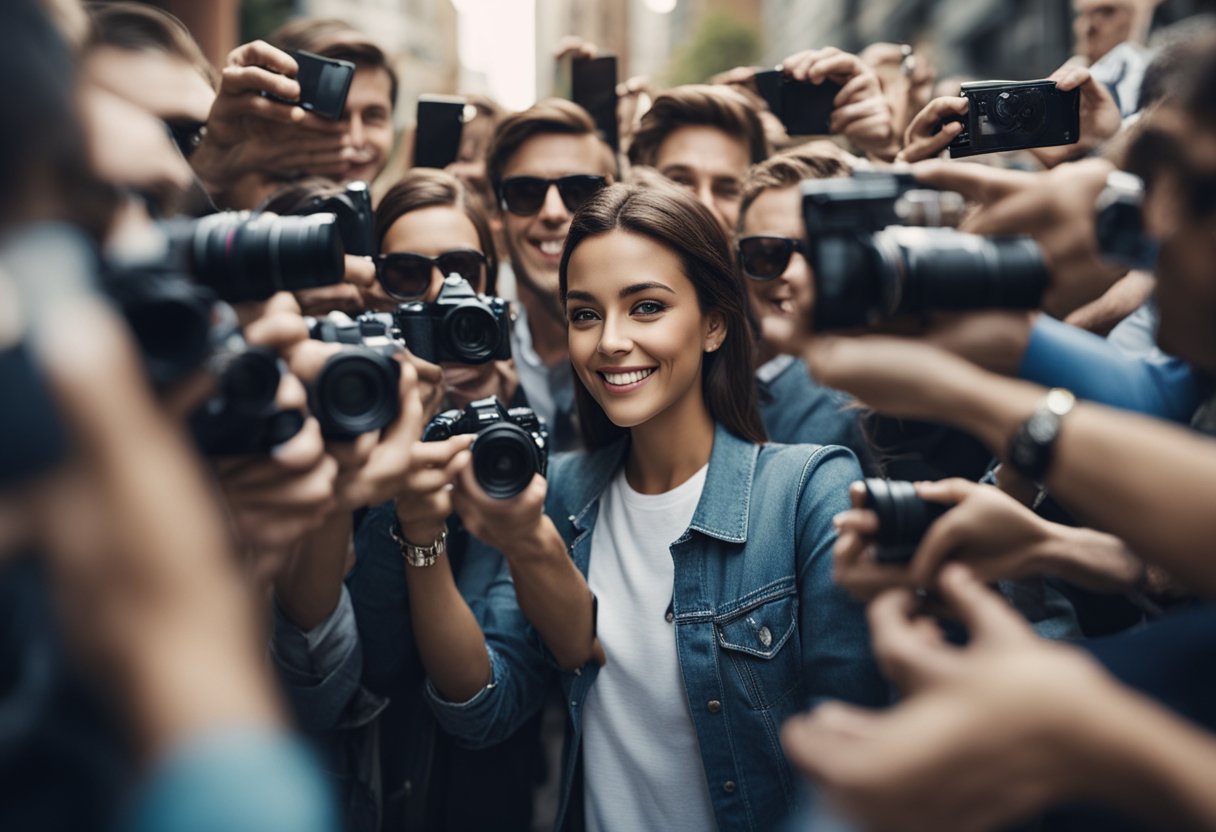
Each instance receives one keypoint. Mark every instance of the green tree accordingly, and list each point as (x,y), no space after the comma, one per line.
(721,41)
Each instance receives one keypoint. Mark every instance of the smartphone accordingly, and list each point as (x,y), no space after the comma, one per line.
(324,83)
(439,126)
(593,87)
(804,108)
(1015,115)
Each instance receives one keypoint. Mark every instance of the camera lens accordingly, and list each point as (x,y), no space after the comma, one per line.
(247,256)
(356,392)
(472,332)
(903,518)
(505,459)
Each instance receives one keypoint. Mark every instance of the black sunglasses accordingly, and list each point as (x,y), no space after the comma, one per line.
(523,196)
(764,258)
(407,276)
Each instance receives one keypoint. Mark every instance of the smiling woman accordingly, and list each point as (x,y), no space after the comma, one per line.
(692,555)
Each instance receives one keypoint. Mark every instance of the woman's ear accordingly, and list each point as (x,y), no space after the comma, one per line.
(715,331)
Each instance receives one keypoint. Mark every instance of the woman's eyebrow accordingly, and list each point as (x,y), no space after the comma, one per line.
(644,287)
(575,294)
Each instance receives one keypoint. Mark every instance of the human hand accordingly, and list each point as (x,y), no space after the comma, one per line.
(512,526)
(861,112)
(424,494)
(1100,116)
(1056,207)
(931,131)
(359,291)
(244,127)
(988,734)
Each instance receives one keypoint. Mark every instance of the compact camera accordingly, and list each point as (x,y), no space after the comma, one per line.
(870,263)
(460,327)
(511,446)
(357,390)
(903,518)
(1013,115)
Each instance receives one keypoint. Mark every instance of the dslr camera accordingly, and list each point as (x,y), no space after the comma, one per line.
(903,518)
(352,209)
(459,327)
(1013,115)
(357,390)
(1119,223)
(511,446)
(872,261)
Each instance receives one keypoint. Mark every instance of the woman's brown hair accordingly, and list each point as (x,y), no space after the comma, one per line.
(428,188)
(675,220)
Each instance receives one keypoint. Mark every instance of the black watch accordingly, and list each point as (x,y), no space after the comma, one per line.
(1030,449)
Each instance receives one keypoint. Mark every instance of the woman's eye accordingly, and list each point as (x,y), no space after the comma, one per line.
(581,315)
(648,307)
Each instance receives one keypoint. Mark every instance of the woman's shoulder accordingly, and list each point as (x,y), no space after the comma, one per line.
(822,462)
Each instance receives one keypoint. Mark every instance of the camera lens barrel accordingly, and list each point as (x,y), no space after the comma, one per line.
(903,518)
(505,458)
(355,392)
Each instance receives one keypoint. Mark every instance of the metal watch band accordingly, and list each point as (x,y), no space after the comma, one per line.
(1031,448)
(418,555)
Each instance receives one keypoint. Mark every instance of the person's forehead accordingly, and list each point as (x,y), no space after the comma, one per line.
(164,85)
(371,84)
(705,149)
(776,211)
(431,231)
(1082,6)
(557,154)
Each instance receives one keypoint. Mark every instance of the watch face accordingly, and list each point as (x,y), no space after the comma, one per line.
(1042,427)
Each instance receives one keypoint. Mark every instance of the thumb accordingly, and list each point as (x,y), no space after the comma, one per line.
(987,616)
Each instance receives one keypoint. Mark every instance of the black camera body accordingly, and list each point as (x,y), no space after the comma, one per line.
(903,518)
(459,327)
(804,108)
(871,261)
(358,389)
(511,446)
(1014,115)
(356,219)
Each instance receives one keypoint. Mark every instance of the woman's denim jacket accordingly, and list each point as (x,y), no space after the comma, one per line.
(762,632)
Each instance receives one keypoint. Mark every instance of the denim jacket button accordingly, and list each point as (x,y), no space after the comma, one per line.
(766,636)
(729,787)
(713,706)
(671,616)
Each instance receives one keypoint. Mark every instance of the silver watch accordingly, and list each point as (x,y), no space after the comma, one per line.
(418,555)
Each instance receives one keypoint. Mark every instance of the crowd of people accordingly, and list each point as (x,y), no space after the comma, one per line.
(340,494)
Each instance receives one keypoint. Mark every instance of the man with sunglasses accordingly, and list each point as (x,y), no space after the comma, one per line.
(543,164)
(773,258)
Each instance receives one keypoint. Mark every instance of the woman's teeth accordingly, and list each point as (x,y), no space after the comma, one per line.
(620,379)
(550,248)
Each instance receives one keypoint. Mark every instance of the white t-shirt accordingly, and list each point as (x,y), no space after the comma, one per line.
(641,760)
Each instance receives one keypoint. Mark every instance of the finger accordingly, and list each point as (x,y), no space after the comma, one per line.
(987,616)
(901,649)
(976,182)
(858,494)
(261,53)
(949,491)
(840,66)
(239,80)
(352,454)
(306,492)
(257,106)
(359,271)
(866,108)
(277,331)
(429,480)
(308,358)
(918,150)
(1068,78)
(439,454)
(813,743)
(861,521)
(940,541)
(858,88)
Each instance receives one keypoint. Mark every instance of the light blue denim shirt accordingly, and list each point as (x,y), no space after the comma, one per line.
(762,632)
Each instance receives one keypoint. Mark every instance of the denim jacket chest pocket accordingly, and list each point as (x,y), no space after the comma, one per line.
(760,645)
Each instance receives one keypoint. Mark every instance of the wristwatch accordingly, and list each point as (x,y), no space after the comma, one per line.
(1031,448)
(418,555)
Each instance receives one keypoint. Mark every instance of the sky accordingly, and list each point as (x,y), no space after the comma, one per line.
(497,38)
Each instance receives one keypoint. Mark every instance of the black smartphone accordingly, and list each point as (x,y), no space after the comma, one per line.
(324,83)
(804,108)
(437,134)
(1015,115)
(593,87)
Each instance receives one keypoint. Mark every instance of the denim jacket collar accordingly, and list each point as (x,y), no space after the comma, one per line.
(725,500)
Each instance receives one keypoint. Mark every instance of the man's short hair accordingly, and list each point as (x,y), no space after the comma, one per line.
(552,115)
(136,26)
(816,160)
(700,105)
(336,39)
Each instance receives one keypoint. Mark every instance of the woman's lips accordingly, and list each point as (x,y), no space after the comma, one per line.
(624,381)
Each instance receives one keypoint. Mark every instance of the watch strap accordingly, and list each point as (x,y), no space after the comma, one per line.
(415,555)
